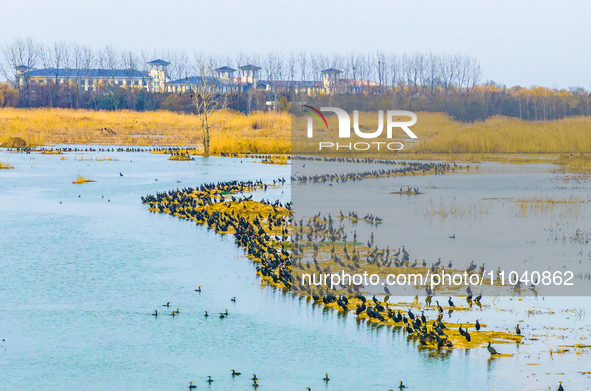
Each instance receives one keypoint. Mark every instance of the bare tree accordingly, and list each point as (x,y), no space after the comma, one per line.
(208,101)
(20,57)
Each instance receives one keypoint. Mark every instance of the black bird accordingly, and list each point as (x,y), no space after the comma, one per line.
(401,386)
(326,379)
(120,174)
(233,299)
(517,330)
(234,373)
(491,350)
(451,303)
(222,316)
(467,335)
(166,305)
(155,313)
(423,318)
(206,315)
(198,290)
(254,377)
(191,386)
(386,289)
(209,379)
(477,325)
(560,388)
(478,297)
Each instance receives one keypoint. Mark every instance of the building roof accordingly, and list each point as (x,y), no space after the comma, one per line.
(249,67)
(92,73)
(225,69)
(158,62)
(331,70)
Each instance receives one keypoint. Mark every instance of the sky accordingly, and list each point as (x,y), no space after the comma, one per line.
(517,42)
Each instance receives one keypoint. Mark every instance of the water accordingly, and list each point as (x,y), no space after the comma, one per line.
(80,279)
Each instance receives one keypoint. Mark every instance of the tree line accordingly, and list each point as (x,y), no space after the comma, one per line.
(448,83)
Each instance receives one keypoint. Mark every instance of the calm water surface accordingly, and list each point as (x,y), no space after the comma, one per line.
(81,275)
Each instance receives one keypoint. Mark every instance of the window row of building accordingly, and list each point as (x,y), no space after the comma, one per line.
(157,80)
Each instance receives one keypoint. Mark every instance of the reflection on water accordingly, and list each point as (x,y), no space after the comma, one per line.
(84,266)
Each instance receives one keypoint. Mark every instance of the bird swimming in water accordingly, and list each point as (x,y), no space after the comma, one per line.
(233,299)
(222,316)
(209,379)
(226,313)
(491,350)
(401,386)
(166,305)
(191,386)
(206,314)
(234,373)
(326,379)
(155,313)
(198,290)
(254,377)
(120,174)
(173,313)
(255,385)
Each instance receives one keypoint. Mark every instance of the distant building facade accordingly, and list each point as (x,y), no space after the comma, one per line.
(154,80)
(223,79)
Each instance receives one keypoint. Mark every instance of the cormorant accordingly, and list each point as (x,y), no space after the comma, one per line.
(234,373)
(517,330)
(209,379)
(477,325)
(401,386)
(491,350)
(198,290)
(560,388)
(155,313)
(326,379)
(166,305)
(233,299)
(451,303)
(191,386)
(206,315)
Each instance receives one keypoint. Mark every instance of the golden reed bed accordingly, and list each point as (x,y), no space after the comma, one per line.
(262,132)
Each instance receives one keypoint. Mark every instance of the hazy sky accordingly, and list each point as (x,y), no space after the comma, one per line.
(531,42)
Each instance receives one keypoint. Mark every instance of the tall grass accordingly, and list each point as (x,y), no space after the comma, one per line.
(258,132)
(263,132)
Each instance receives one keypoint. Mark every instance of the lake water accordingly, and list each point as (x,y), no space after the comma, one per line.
(84,266)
